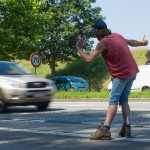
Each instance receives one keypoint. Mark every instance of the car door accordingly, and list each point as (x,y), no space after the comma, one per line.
(59,83)
(65,84)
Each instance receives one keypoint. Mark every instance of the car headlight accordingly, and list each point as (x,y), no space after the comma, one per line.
(16,84)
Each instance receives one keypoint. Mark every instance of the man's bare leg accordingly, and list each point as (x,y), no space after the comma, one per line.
(103,132)
(126,128)
(125,112)
(111,112)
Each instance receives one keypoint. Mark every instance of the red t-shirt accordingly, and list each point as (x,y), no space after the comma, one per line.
(119,59)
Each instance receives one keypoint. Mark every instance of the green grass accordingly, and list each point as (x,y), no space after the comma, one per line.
(77,95)
(139,56)
(144,94)
(102,94)
(43,70)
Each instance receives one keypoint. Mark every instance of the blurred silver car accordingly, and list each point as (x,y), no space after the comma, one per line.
(20,87)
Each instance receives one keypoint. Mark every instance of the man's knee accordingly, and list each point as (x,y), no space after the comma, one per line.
(123,103)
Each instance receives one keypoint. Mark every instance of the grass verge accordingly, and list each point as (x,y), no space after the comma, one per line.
(103,94)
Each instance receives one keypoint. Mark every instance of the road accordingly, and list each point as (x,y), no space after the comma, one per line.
(67,125)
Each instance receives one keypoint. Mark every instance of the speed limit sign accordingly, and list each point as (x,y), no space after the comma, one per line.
(35,59)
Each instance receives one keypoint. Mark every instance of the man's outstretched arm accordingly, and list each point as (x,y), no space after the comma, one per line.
(135,43)
(94,54)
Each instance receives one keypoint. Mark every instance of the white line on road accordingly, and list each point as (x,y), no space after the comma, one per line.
(44,132)
(105,108)
(131,139)
(70,134)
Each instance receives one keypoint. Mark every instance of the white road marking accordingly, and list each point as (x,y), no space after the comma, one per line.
(44,132)
(142,106)
(70,134)
(131,139)
(4,142)
(29,120)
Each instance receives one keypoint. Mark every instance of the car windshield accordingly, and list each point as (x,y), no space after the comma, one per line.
(7,68)
(77,80)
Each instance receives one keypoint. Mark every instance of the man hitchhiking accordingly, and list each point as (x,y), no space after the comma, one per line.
(122,67)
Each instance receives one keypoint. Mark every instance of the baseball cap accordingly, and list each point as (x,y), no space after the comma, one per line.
(100,25)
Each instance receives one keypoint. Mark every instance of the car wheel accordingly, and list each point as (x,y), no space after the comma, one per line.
(42,106)
(2,104)
(145,88)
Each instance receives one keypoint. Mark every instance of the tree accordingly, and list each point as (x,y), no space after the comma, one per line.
(21,28)
(49,27)
(69,21)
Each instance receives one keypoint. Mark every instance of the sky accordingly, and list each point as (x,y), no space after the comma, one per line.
(130,18)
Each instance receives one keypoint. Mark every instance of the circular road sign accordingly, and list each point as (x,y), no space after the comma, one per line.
(35,59)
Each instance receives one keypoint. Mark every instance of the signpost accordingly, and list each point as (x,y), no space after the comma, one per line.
(148,57)
(35,60)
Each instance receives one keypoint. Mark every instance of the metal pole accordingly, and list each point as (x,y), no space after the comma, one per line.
(35,71)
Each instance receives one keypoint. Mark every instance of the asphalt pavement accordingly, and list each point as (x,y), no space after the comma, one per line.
(67,124)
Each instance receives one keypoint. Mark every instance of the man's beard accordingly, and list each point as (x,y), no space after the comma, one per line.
(98,36)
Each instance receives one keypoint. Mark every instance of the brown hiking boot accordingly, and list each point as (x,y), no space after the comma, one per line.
(125,131)
(102,133)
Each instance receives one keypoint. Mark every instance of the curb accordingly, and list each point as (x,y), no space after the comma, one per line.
(98,100)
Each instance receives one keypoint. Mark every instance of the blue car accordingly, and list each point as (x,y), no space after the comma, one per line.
(71,83)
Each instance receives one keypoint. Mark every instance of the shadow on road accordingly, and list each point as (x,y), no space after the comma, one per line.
(21,109)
